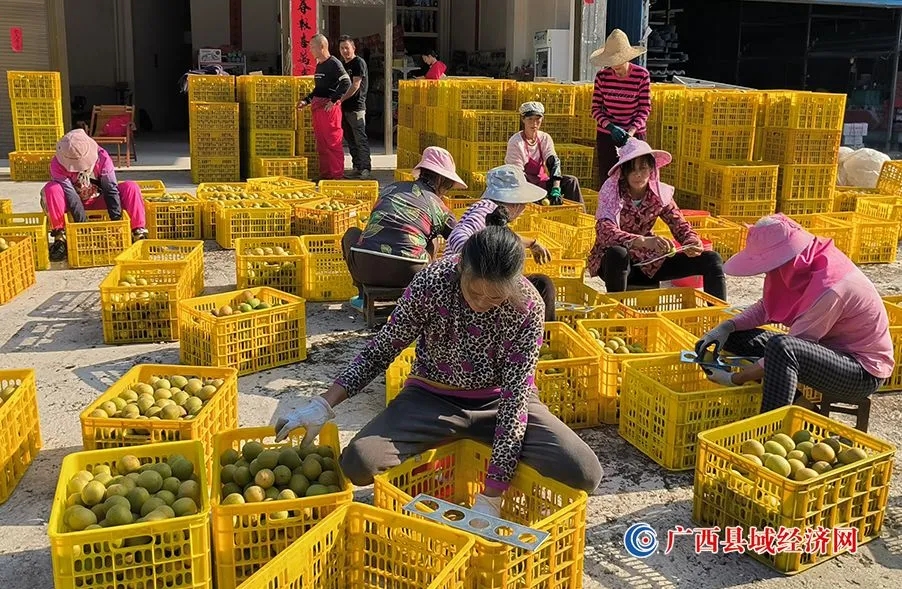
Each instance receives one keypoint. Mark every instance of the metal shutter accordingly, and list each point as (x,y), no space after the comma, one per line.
(31,17)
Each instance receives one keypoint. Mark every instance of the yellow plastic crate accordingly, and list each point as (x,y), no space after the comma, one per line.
(326,275)
(243,219)
(215,169)
(274,183)
(558,268)
(554,248)
(36,113)
(718,143)
(894,314)
(170,219)
(359,545)
(560,126)
(700,320)
(826,226)
(657,337)
(270,143)
(247,536)
(25,85)
(558,99)
(33,225)
(726,238)
(167,553)
(689,175)
(485,126)
(738,182)
(669,102)
(590,198)
(890,180)
(294,198)
(437,120)
(456,472)
(888,208)
(578,301)
(730,490)
(570,383)
(30,166)
(666,403)
(657,300)
(250,342)
(142,314)
(874,241)
(804,110)
(219,414)
(259,88)
(42,138)
(419,118)
(283,272)
(150,186)
(579,161)
(97,241)
(213,116)
(402,175)
(203,143)
(20,428)
(269,115)
(288,167)
(752,209)
(471,94)
(458,205)
(567,211)
(481,157)
(186,256)
(211,88)
(366,190)
(313,221)
(721,108)
(16,267)
(800,146)
(6,206)
(397,372)
(576,232)
(806,189)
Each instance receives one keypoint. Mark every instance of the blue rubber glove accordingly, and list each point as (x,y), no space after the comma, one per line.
(554,195)
(618,135)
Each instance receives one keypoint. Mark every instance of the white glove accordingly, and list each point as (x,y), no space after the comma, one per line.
(717,336)
(312,417)
(722,377)
(487,505)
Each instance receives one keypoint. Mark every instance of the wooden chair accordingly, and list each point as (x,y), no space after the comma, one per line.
(378,303)
(100,115)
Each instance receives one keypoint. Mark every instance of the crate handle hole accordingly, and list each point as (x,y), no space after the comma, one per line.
(504,531)
(527,538)
(427,506)
(479,523)
(453,515)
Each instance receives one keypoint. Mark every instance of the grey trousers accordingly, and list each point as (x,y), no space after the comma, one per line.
(417,420)
(354,126)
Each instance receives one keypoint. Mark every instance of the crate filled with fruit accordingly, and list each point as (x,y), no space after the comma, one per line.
(365,190)
(132,517)
(250,218)
(567,377)
(97,241)
(665,403)
(268,494)
(250,330)
(797,469)
(20,430)
(161,403)
(17,267)
(329,216)
(209,195)
(173,215)
(186,257)
(617,340)
(270,261)
(294,197)
(278,183)
(34,225)
(139,303)
(575,300)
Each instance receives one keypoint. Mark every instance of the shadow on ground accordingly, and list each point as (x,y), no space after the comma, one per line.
(55,335)
(68,305)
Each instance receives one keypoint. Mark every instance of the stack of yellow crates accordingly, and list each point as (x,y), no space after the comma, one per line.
(664,127)
(305,139)
(802,132)
(268,119)
(213,117)
(37,115)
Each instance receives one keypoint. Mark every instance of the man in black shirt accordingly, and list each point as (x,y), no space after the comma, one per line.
(331,83)
(353,106)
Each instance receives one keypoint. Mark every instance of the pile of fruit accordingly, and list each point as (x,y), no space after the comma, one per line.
(267,251)
(166,397)
(250,303)
(4,245)
(799,457)
(256,474)
(617,345)
(252,204)
(7,392)
(294,194)
(224,190)
(167,197)
(132,280)
(129,492)
(332,205)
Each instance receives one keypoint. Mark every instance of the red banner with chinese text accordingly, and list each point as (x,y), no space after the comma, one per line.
(303,27)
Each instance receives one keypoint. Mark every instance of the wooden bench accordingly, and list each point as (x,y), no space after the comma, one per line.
(378,303)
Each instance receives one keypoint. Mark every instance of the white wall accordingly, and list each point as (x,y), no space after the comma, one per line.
(91,43)
(210,23)
(525,18)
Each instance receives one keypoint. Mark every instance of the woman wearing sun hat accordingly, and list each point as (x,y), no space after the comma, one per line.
(407,217)
(82,177)
(625,250)
(533,151)
(507,193)
(621,101)
(838,341)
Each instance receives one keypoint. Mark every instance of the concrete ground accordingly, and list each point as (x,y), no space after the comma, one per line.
(55,328)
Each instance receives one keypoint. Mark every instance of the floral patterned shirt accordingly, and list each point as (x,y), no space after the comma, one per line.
(620,221)
(407,216)
(463,353)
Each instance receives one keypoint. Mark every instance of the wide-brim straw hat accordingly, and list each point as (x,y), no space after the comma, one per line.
(440,161)
(771,242)
(635,148)
(616,50)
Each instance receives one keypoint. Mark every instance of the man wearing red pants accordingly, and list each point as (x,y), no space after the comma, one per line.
(331,83)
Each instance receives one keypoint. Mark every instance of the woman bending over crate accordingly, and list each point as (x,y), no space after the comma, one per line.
(625,250)
(478,326)
(533,151)
(506,196)
(398,239)
(82,177)
(838,341)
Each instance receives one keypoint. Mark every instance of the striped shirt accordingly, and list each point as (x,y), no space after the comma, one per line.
(626,101)
(471,223)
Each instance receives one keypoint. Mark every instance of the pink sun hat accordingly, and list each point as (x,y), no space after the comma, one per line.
(635,148)
(441,162)
(76,151)
(772,241)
